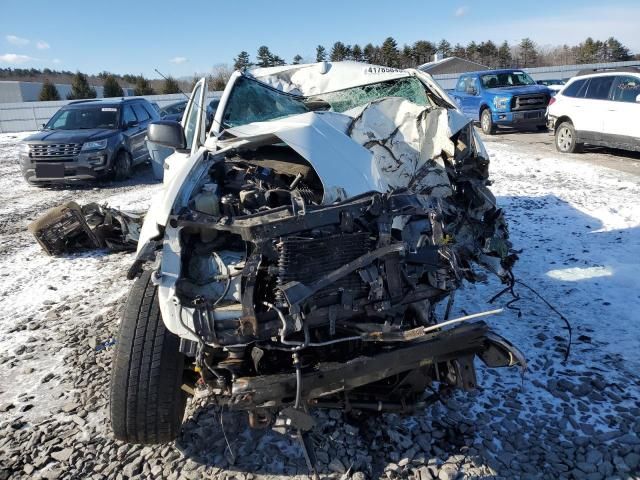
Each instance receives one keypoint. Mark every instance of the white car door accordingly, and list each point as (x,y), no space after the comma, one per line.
(570,103)
(594,107)
(193,123)
(622,121)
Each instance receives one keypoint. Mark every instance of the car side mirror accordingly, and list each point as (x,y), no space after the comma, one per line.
(168,134)
(44,125)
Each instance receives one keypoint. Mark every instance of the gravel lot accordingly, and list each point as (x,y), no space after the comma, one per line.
(578,226)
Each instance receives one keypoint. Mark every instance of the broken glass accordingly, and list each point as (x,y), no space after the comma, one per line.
(252,101)
(409,88)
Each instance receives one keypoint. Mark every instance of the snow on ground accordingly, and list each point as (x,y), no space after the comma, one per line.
(32,283)
(577,226)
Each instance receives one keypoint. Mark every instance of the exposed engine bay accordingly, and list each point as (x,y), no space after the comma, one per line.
(289,290)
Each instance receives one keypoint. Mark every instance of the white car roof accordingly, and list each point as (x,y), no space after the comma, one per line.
(325,77)
(605,74)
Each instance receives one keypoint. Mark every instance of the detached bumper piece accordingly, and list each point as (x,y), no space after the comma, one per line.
(70,228)
(330,383)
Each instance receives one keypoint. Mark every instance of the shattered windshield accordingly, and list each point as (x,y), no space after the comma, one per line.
(410,88)
(252,101)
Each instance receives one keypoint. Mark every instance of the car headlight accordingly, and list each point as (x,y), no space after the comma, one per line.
(24,148)
(97,145)
(501,103)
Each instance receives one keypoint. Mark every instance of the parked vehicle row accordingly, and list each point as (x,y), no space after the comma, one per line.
(92,139)
(595,107)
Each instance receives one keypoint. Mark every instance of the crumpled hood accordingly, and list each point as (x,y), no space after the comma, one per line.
(70,136)
(377,147)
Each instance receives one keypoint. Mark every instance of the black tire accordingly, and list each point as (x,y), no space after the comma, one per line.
(122,166)
(565,138)
(147,403)
(486,122)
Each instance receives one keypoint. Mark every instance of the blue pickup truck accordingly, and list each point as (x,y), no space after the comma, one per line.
(502,97)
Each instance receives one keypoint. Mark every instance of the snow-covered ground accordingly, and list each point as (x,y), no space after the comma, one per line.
(578,229)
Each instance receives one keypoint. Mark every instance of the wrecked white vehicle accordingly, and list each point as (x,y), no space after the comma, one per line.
(300,248)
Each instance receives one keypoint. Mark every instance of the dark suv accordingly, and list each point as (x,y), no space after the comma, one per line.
(89,139)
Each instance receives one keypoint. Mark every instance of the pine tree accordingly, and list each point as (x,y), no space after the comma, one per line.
(504,55)
(111,87)
(459,51)
(356,53)
(170,86)
(407,57)
(339,52)
(389,52)
(423,51)
(369,53)
(242,61)
(617,51)
(444,47)
(264,57)
(80,88)
(276,61)
(321,53)
(49,91)
(528,53)
(488,53)
(143,87)
(297,59)
(472,51)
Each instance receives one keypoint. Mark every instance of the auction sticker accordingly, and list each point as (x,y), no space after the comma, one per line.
(376,70)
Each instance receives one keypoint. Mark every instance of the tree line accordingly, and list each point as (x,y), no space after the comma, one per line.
(526,53)
(81,88)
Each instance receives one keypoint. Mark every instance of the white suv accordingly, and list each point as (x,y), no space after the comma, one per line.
(599,109)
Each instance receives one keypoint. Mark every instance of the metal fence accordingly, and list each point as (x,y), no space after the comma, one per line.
(27,116)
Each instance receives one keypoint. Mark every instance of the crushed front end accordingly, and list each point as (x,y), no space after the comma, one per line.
(286,297)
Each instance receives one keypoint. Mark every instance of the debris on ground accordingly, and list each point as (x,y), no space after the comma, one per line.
(69,228)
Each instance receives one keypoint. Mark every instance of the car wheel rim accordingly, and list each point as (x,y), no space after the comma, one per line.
(564,139)
(485,122)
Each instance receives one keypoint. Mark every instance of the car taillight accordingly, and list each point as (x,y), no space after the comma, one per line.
(552,100)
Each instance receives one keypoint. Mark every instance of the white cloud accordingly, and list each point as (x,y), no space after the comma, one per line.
(461,11)
(56,61)
(179,60)
(41,45)
(15,58)
(13,40)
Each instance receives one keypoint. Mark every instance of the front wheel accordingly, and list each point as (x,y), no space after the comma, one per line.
(566,141)
(486,122)
(122,166)
(147,403)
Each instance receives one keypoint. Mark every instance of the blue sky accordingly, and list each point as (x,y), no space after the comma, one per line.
(136,37)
